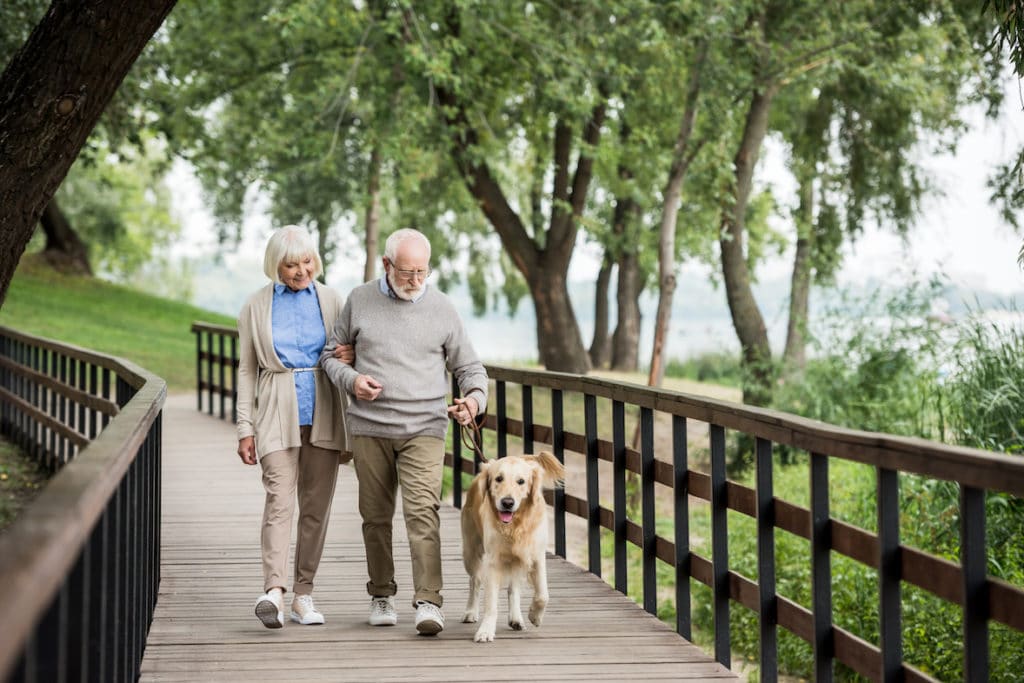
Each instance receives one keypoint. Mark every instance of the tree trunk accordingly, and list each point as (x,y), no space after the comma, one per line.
(64,250)
(556,323)
(543,260)
(682,156)
(600,344)
(626,340)
(795,355)
(51,94)
(372,216)
(325,249)
(746,316)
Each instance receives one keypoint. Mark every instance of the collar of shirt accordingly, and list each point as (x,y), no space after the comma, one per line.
(280,288)
(385,288)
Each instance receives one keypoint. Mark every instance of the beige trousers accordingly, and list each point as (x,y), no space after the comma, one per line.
(312,472)
(382,465)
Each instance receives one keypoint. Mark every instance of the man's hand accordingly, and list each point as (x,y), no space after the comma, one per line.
(346,353)
(247,450)
(463,410)
(367,388)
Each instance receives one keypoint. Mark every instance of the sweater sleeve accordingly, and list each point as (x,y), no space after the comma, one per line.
(341,374)
(248,370)
(464,364)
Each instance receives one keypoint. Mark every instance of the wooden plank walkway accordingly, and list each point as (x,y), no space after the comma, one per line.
(204,628)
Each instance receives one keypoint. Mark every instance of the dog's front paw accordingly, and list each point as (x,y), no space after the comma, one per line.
(470,617)
(515,624)
(484,635)
(537,613)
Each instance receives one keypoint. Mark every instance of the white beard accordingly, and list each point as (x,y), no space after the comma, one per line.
(406,293)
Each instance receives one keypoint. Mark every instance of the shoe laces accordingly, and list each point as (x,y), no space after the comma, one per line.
(305,602)
(382,606)
(430,609)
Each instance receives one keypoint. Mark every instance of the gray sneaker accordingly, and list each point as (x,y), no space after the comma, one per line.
(429,618)
(382,611)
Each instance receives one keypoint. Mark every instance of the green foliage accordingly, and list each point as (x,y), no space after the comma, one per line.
(17,17)
(119,206)
(716,367)
(1009,33)
(874,365)
(147,330)
(986,385)
(884,363)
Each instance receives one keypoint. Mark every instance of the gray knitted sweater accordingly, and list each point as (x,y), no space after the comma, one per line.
(407,347)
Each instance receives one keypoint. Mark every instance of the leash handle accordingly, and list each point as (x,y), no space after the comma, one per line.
(473,443)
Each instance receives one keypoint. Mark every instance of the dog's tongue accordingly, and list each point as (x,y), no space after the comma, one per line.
(505,517)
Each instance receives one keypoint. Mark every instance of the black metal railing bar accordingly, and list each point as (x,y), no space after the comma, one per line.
(81,564)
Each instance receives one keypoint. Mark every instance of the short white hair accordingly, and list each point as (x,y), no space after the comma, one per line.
(290,243)
(398,237)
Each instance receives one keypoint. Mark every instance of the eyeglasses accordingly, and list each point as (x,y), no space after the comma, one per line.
(410,274)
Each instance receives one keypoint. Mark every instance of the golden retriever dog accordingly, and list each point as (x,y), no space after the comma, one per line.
(505,536)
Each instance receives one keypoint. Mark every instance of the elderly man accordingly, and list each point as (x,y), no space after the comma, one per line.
(406,334)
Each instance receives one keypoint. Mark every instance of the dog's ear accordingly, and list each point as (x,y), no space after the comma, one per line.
(481,482)
(552,472)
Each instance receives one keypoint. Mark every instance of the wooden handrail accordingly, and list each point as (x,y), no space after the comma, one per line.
(970,466)
(38,551)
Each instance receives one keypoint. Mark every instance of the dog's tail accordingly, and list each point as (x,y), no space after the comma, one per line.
(554,471)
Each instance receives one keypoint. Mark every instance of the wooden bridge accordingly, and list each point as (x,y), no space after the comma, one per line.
(204,628)
(140,558)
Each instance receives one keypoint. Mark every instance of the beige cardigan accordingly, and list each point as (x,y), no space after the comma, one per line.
(264,382)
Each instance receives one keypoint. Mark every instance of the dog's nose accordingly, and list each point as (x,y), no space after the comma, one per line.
(507,503)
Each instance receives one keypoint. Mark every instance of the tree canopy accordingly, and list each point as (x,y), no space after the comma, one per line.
(511,133)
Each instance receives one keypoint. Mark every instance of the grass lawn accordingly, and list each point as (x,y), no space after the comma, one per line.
(20,480)
(98,315)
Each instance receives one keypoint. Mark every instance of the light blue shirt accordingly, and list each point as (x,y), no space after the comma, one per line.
(299,337)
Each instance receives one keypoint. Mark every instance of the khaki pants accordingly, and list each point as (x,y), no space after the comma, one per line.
(312,472)
(416,464)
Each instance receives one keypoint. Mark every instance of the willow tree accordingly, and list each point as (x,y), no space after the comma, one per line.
(929,62)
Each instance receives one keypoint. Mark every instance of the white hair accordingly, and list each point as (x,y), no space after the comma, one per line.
(290,243)
(398,237)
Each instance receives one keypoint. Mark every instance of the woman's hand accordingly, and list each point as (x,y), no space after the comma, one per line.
(346,353)
(247,450)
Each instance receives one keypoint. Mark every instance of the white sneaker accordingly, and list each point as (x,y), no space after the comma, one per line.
(382,611)
(429,618)
(305,612)
(268,609)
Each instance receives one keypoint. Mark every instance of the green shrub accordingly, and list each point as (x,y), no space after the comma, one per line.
(884,364)
(987,386)
(874,365)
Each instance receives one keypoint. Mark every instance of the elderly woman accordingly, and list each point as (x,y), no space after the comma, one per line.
(290,416)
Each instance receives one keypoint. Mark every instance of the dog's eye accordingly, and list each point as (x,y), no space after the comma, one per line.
(520,481)
(500,478)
